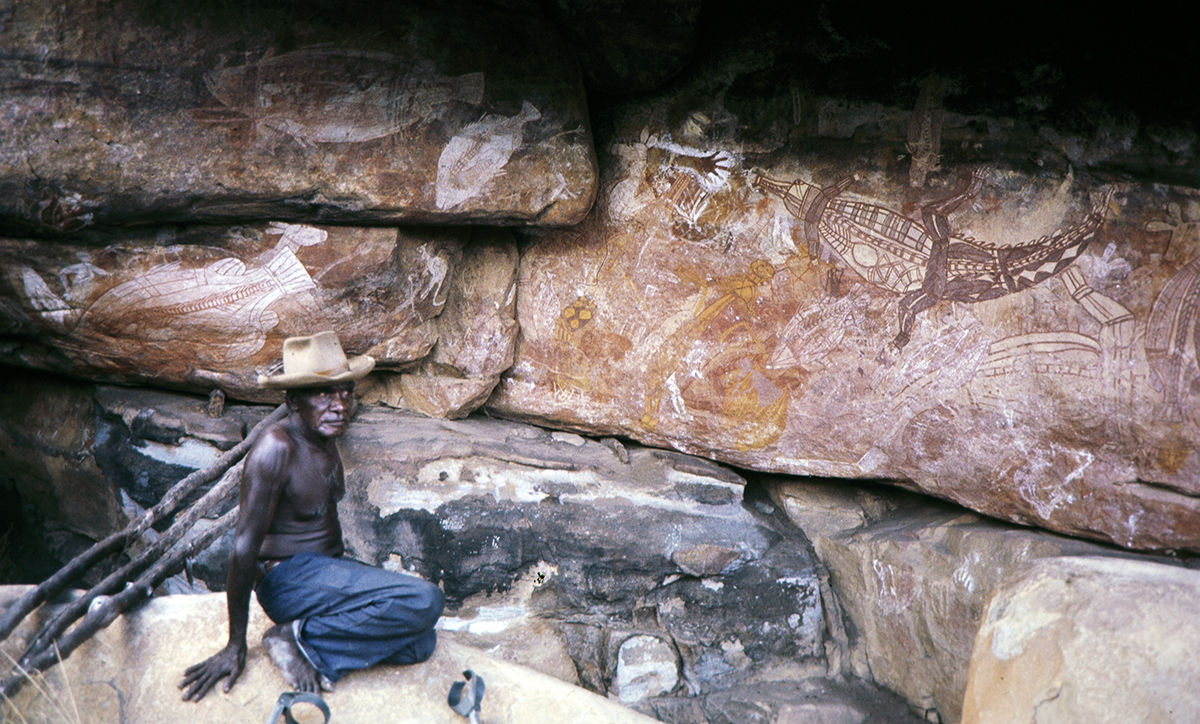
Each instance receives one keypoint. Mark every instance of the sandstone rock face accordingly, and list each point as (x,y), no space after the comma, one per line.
(476,332)
(1088,640)
(129,673)
(210,307)
(86,459)
(915,577)
(184,113)
(608,543)
(1016,340)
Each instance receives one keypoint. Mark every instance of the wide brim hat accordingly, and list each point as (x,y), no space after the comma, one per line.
(316,361)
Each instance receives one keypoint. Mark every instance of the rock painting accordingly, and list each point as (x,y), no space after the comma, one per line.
(574,319)
(221,307)
(924,140)
(1172,333)
(477,155)
(804,328)
(816,331)
(334,95)
(730,382)
(686,181)
(924,261)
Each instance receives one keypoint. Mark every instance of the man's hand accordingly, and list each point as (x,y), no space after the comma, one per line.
(198,679)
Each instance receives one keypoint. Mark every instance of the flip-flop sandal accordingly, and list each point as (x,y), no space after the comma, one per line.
(466,696)
(288,699)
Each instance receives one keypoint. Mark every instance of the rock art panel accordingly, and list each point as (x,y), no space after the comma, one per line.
(924,261)
(334,95)
(477,155)
(980,337)
(1172,335)
(218,116)
(209,307)
(475,330)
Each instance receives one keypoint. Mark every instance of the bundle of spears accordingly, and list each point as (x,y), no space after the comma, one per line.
(133,582)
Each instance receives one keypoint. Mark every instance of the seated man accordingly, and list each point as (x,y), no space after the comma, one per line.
(332,615)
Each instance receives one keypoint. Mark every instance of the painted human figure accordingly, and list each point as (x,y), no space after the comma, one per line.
(332,615)
(937,284)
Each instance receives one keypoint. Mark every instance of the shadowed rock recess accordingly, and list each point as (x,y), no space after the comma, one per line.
(749,270)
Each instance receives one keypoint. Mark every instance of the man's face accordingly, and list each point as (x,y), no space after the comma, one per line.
(325,410)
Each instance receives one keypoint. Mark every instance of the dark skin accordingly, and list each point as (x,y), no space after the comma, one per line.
(291,483)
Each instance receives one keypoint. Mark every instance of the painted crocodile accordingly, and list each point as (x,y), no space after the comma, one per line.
(923,261)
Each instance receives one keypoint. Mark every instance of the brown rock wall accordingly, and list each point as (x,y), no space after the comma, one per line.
(1017,342)
(134,111)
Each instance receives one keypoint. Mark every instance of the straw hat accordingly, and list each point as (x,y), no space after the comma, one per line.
(316,361)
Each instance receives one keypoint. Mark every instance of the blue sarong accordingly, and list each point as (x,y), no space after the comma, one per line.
(350,615)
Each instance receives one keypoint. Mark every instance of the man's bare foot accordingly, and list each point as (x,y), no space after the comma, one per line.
(280,644)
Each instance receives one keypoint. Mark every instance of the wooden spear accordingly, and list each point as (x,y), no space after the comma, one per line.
(113,583)
(109,608)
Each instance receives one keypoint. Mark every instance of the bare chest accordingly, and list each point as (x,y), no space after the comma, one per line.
(313,490)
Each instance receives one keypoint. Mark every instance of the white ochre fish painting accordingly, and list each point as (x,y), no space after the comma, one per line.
(334,95)
(226,299)
(477,155)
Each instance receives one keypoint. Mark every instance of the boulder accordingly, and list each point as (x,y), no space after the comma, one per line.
(780,301)
(476,332)
(135,111)
(208,308)
(1088,640)
(914,577)
(646,666)
(130,671)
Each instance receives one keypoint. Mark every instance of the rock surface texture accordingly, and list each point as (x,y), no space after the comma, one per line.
(129,673)
(1088,640)
(914,578)
(1015,337)
(209,307)
(992,304)
(140,110)
(657,578)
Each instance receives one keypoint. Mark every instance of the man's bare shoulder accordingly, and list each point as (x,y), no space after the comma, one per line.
(273,449)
